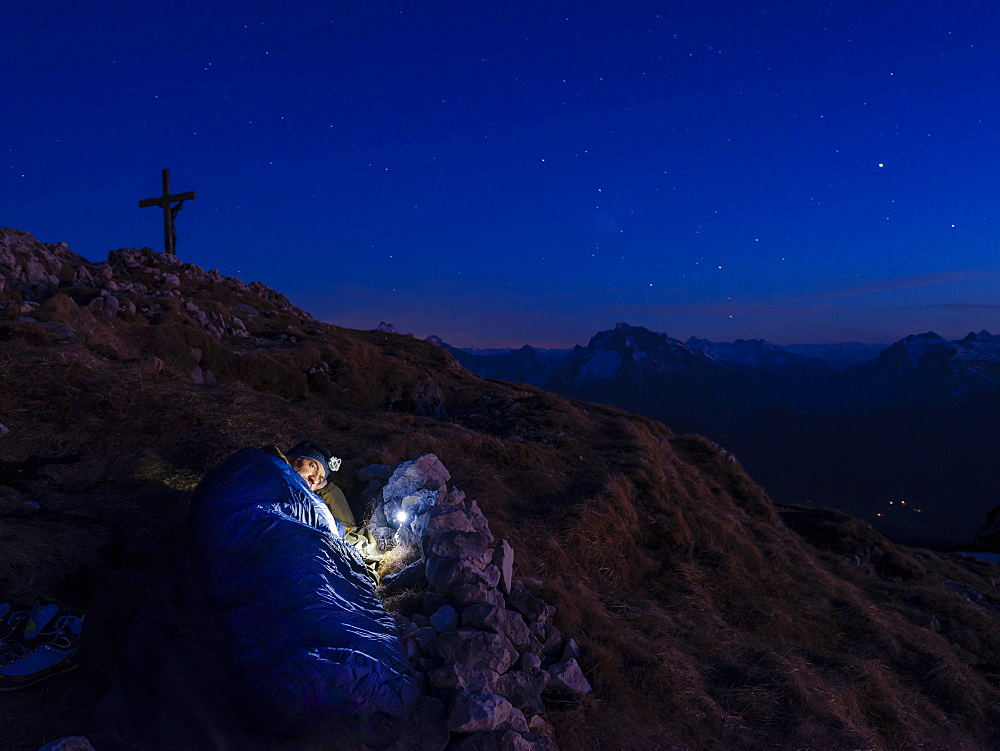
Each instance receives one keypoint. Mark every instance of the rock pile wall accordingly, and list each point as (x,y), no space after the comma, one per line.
(484,642)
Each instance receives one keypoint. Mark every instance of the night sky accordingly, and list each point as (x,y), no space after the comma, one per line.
(510,173)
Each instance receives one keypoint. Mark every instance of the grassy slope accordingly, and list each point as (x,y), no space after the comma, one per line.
(709,619)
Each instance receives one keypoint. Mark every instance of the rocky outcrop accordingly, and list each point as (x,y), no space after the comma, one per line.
(204,327)
(485,643)
(132,282)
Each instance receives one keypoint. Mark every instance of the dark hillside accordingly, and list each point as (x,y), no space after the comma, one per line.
(938,458)
(709,617)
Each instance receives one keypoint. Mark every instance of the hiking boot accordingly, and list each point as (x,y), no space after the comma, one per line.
(12,623)
(39,617)
(37,627)
(48,652)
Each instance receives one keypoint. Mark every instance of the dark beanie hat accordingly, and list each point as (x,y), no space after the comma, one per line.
(313,450)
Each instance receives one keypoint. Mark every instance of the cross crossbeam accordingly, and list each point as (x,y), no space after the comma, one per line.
(169,211)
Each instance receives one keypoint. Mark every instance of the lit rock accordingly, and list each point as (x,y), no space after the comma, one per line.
(448,518)
(426,471)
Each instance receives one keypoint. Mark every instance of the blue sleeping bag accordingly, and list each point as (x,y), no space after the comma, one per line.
(314,652)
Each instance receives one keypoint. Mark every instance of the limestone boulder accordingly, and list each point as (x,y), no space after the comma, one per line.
(507,623)
(471,594)
(477,649)
(470,546)
(567,677)
(457,675)
(444,619)
(473,711)
(522,689)
(503,559)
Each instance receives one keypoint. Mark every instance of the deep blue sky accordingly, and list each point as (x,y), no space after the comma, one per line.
(503,173)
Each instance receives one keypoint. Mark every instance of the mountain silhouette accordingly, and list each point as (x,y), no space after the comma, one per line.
(912,421)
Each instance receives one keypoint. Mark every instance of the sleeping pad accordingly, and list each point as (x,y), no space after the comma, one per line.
(267,635)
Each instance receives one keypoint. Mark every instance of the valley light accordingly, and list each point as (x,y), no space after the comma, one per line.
(402,517)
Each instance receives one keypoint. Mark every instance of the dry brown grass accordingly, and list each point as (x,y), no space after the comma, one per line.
(709,621)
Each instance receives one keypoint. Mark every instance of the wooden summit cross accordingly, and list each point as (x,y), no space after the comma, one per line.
(169,212)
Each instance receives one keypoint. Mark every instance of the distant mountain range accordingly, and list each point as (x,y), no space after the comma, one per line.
(922,404)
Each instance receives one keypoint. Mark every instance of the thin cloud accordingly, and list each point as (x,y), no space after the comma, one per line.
(919,281)
(953,306)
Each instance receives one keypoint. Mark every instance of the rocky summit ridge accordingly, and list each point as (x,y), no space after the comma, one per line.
(703,615)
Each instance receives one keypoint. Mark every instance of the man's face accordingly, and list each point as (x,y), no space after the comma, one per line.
(311,471)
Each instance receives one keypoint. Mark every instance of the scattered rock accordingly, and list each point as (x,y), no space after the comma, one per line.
(522,689)
(444,619)
(469,546)
(477,649)
(456,675)
(448,518)
(571,651)
(469,594)
(408,577)
(537,724)
(567,677)
(427,399)
(479,710)
(425,638)
(503,559)
(501,621)
(530,662)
